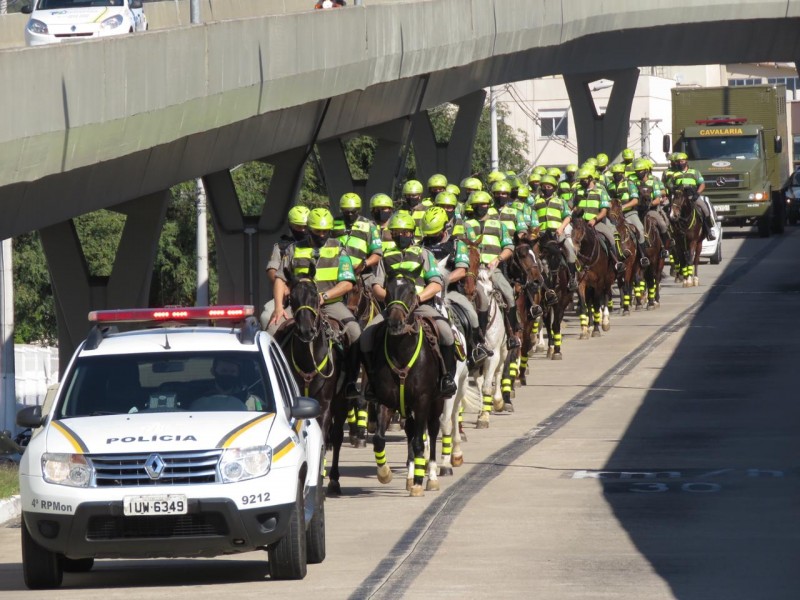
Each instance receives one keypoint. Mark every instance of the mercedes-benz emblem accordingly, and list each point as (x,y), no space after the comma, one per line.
(721,181)
(154,465)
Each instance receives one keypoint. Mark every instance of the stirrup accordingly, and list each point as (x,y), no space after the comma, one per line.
(513,342)
(711,235)
(447,385)
(619,267)
(351,391)
(478,355)
(572,284)
(550,296)
(664,253)
(536,311)
(644,262)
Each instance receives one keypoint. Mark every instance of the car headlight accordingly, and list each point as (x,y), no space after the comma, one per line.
(239,464)
(67,469)
(37,26)
(112,22)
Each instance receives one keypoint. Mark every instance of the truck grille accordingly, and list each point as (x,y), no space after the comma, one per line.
(174,468)
(715,181)
(167,526)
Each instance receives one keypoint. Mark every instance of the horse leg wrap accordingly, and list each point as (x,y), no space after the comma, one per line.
(447,445)
(361,421)
(419,468)
(351,416)
(487,403)
(380,457)
(461,413)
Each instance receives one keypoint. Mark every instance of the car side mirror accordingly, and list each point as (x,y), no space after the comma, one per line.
(778,144)
(305,408)
(666,144)
(30,416)
(27,9)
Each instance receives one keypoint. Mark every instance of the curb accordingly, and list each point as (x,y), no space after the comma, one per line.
(10,508)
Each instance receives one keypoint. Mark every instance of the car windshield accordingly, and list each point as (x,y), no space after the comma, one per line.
(57,4)
(141,383)
(712,148)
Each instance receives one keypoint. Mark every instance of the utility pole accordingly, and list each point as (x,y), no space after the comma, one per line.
(8,397)
(645,125)
(194,11)
(202,245)
(493,123)
(3,7)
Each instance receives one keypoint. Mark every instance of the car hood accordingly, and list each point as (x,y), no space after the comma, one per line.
(162,432)
(75,16)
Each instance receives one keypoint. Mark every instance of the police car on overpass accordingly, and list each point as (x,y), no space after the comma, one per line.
(173,439)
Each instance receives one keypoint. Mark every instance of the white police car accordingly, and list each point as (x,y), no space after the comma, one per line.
(173,441)
(70,20)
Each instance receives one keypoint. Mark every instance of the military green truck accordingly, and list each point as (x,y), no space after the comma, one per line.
(734,137)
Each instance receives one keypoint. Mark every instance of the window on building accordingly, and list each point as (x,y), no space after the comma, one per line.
(792,83)
(751,81)
(554,123)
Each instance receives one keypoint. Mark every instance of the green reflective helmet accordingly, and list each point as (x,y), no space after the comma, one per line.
(472,184)
(402,220)
(437,181)
(535,178)
(495,176)
(572,169)
(585,173)
(350,200)
(602,159)
(640,164)
(618,168)
(591,161)
(445,199)
(298,215)
(501,186)
(540,170)
(554,172)
(681,156)
(453,189)
(381,201)
(523,192)
(550,180)
(650,163)
(320,218)
(627,154)
(412,187)
(434,220)
(479,197)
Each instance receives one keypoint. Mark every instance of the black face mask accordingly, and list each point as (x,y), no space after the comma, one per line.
(618,177)
(382,215)
(298,235)
(319,240)
(432,240)
(500,201)
(404,242)
(226,382)
(349,217)
(547,191)
(480,210)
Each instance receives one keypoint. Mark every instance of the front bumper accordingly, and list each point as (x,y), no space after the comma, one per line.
(213,526)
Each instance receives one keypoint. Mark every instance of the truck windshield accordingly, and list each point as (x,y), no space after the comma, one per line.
(712,148)
(140,383)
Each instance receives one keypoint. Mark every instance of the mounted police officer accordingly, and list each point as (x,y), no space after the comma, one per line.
(334,277)
(412,260)
(594,203)
(624,189)
(644,179)
(360,238)
(687,177)
(553,214)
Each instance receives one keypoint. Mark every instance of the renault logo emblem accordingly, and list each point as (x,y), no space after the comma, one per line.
(154,465)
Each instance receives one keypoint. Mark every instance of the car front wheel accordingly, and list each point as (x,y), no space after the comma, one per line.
(41,568)
(287,558)
(315,534)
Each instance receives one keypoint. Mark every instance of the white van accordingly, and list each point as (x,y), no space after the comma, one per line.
(71,20)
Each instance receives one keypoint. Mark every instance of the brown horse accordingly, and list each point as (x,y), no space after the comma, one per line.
(628,249)
(525,272)
(597,276)
(557,295)
(687,227)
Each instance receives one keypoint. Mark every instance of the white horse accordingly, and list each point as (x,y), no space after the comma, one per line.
(489,379)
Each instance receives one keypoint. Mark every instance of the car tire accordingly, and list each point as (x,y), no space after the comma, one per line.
(287,557)
(41,568)
(717,256)
(315,534)
(76,565)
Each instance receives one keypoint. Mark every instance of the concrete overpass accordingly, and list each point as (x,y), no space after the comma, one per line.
(115,123)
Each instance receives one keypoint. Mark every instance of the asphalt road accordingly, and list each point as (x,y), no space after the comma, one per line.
(658,461)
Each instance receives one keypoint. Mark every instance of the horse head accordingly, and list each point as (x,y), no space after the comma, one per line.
(550,250)
(401,300)
(579,227)
(525,260)
(683,202)
(470,281)
(305,303)
(615,211)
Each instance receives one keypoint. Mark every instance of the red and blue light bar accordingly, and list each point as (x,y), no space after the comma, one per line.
(175,314)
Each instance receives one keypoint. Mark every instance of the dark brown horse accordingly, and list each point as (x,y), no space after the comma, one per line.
(687,227)
(652,274)
(405,370)
(557,295)
(597,276)
(628,250)
(525,273)
(317,366)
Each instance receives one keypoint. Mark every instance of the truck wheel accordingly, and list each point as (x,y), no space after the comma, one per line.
(778,214)
(765,224)
(793,218)
(76,565)
(41,568)
(315,534)
(287,558)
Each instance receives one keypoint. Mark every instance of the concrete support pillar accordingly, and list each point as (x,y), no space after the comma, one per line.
(392,140)
(244,243)
(602,133)
(454,157)
(77,292)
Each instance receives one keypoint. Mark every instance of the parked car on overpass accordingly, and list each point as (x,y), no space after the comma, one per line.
(53,21)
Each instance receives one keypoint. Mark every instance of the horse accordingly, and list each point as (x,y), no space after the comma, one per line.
(687,227)
(597,277)
(405,367)
(627,241)
(557,296)
(452,455)
(525,273)
(653,272)
(317,366)
(490,377)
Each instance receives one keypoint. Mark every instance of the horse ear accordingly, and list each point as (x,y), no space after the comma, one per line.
(312,271)
(577,213)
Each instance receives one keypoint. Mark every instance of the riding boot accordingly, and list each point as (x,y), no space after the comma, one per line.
(711,235)
(643,261)
(664,243)
(573,277)
(483,323)
(513,321)
(619,266)
(352,367)
(447,383)
(479,350)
